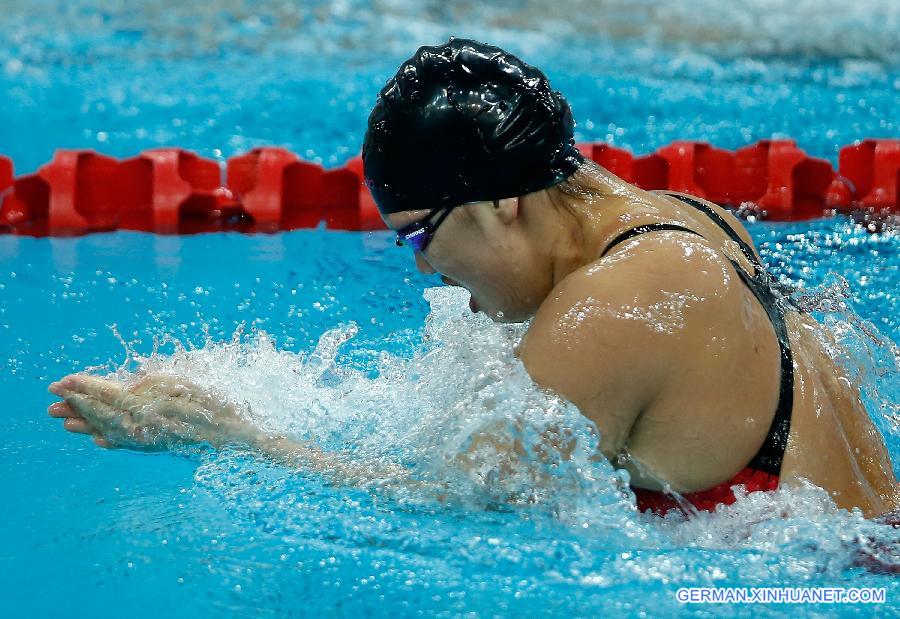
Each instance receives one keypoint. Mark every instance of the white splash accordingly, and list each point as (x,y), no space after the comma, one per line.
(462,412)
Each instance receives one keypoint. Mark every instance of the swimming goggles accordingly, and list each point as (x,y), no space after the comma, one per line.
(418,234)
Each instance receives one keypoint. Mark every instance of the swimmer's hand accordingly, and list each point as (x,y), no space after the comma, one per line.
(161,411)
(153,414)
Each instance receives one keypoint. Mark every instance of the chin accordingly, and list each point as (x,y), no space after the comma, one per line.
(507,315)
(501,314)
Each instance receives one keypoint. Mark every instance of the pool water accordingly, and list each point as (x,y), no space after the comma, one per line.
(336,337)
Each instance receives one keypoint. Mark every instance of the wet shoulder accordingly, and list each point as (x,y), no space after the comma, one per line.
(652,270)
(614,330)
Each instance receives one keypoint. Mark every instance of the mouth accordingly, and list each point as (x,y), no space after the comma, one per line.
(473,305)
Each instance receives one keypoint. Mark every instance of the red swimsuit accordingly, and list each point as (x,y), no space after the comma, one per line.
(763,470)
(707,500)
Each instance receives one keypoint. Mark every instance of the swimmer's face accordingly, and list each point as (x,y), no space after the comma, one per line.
(482,247)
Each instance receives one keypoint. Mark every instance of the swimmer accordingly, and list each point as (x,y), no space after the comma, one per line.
(650,311)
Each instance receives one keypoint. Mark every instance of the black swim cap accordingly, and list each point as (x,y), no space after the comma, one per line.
(465,122)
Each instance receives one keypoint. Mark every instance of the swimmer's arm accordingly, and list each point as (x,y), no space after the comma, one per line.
(308,457)
(162,410)
(337,466)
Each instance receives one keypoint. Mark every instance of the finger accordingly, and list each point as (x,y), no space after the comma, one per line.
(78,426)
(56,388)
(97,413)
(61,410)
(105,421)
(106,391)
(102,442)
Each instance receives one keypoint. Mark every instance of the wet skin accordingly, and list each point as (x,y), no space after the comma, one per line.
(659,343)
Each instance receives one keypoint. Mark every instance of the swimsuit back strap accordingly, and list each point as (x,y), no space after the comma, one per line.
(643,229)
(771,454)
(763,286)
(720,221)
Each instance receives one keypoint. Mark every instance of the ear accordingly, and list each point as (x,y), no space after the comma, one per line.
(506,209)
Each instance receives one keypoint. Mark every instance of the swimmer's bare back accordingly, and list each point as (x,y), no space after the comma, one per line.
(662,346)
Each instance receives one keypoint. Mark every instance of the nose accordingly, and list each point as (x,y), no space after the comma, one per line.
(423,265)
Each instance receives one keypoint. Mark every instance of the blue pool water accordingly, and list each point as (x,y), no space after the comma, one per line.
(95,532)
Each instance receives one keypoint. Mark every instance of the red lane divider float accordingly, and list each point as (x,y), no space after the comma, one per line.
(773,178)
(348,203)
(67,196)
(277,189)
(779,179)
(168,191)
(173,191)
(6,174)
(870,172)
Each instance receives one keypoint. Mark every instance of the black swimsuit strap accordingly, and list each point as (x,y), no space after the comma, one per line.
(641,230)
(720,221)
(765,289)
(770,455)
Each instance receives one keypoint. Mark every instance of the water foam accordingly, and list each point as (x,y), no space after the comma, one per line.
(462,413)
